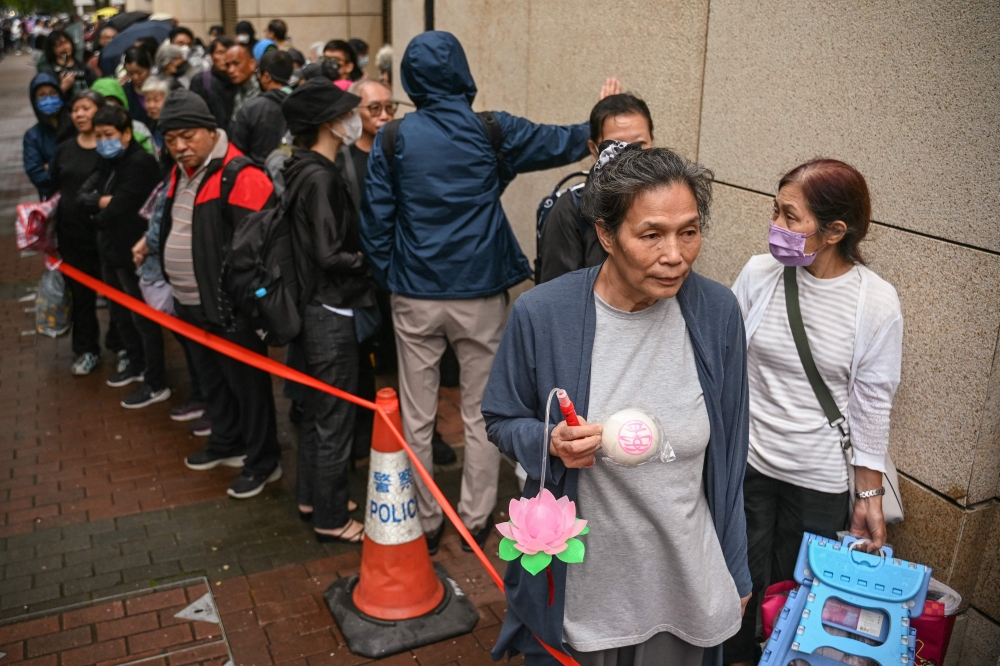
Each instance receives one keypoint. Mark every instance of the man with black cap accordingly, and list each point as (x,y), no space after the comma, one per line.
(259,125)
(200,214)
(334,282)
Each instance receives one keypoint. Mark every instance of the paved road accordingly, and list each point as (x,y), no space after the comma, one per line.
(95,503)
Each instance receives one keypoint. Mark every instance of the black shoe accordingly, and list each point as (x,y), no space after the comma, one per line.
(145,396)
(201,427)
(296,412)
(126,376)
(434,539)
(441,452)
(481,536)
(249,484)
(204,460)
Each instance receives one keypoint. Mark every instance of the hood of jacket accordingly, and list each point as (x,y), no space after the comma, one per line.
(43,79)
(109,87)
(277,95)
(434,68)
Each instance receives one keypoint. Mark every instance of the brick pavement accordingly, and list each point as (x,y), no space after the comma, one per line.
(95,502)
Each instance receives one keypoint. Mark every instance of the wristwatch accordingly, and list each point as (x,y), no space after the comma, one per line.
(865,494)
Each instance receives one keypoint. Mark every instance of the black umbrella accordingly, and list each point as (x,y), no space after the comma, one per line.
(112,53)
(123,21)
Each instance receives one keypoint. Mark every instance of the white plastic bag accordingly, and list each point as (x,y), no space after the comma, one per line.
(53,305)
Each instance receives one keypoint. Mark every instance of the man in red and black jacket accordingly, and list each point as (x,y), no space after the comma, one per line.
(197,227)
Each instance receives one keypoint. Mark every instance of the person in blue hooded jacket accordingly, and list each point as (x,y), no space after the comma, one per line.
(435,234)
(40,142)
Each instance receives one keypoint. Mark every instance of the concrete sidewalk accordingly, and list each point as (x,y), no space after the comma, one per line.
(105,536)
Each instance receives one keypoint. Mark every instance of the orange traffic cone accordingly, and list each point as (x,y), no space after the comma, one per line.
(397,578)
(400,600)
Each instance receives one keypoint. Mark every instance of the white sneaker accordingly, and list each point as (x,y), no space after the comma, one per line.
(85,364)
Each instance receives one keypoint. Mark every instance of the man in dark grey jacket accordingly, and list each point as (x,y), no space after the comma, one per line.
(259,125)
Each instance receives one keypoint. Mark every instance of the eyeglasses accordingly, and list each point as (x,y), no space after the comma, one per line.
(376,109)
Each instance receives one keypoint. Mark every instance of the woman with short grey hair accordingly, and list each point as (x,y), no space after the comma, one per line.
(664,578)
(171,65)
(154,93)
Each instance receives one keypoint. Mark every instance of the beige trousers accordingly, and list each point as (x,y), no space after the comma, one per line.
(473,327)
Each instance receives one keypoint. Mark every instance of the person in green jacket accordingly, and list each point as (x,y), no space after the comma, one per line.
(113,92)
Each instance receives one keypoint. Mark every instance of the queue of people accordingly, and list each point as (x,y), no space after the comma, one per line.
(403,218)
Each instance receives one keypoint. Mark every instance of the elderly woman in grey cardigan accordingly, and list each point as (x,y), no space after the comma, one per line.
(665,575)
(797,476)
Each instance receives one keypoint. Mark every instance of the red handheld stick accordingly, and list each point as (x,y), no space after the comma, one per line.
(567,409)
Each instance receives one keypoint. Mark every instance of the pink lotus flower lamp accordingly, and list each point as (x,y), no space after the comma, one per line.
(542,526)
(539,528)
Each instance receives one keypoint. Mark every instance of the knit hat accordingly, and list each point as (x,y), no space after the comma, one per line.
(184,110)
(313,103)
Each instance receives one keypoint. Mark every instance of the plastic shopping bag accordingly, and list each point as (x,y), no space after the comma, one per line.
(53,305)
(158,294)
(36,225)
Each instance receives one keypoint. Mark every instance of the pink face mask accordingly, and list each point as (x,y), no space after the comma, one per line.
(789,247)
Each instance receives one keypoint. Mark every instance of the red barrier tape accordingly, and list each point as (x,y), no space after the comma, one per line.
(271,366)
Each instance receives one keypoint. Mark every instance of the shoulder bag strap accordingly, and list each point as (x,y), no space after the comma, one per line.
(389,132)
(352,175)
(819,387)
(495,135)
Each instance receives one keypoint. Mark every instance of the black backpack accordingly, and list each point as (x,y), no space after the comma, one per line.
(493,132)
(258,280)
(545,207)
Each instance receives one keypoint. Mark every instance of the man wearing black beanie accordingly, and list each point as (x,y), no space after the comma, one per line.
(197,226)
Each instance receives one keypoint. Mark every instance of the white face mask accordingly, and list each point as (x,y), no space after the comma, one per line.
(352,125)
(185,52)
(362,61)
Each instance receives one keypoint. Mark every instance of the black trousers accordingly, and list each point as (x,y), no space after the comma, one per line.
(143,338)
(778,513)
(326,436)
(86,335)
(239,397)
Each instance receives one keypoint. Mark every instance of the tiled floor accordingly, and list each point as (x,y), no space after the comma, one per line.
(95,503)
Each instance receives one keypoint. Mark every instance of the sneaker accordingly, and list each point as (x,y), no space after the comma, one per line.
(481,536)
(189,411)
(204,460)
(442,454)
(145,396)
(85,364)
(201,428)
(122,361)
(125,376)
(249,484)
(434,539)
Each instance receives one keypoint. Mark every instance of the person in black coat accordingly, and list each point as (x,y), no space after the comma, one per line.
(259,126)
(214,85)
(335,282)
(125,178)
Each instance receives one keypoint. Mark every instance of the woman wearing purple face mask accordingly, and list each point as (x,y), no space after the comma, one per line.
(797,472)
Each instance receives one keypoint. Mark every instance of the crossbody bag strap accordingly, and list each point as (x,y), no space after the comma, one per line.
(819,387)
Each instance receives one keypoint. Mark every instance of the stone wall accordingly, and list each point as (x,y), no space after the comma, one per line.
(907,92)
